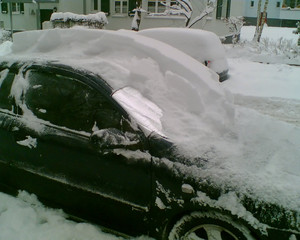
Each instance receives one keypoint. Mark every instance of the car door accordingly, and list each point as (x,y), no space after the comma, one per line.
(75,147)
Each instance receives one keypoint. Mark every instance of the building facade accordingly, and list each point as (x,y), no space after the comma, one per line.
(283,13)
(20,15)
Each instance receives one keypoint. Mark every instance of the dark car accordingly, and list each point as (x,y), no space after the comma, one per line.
(66,137)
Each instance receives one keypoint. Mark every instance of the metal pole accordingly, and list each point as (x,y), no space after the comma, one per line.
(84,6)
(38,17)
(11,19)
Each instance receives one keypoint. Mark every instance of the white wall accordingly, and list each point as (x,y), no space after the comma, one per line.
(237,8)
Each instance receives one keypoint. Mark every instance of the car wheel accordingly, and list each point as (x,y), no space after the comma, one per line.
(209,226)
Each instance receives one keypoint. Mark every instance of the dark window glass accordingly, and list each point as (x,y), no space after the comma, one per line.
(219,9)
(278,4)
(22,7)
(5,87)
(95,4)
(252,4)
(4,8)
(105,6)
(66,102)
(228,8)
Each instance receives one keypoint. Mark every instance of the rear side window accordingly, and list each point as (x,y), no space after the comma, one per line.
(67,102)
(6,79)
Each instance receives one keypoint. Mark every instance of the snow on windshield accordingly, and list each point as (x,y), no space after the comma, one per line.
(252,152)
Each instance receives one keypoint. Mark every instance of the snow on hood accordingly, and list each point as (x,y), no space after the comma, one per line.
(255,154)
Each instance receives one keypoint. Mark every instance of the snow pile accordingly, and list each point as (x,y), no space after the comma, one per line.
(201,45)
(68,20)
(26,218)
(4,36)
(189,95)
(5,48)
(68,16)
(275,46)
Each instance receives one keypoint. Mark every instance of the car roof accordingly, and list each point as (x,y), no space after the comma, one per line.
(200,44)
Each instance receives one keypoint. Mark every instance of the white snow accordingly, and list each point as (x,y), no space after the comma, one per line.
(199,44)
(248,127)
(28,142)
(66,16)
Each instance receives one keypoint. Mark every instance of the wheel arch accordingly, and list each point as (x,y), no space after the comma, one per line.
(215,213)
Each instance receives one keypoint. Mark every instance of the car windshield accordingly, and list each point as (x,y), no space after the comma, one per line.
(146,113)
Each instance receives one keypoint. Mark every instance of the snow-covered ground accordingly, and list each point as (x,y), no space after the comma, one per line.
(271,88)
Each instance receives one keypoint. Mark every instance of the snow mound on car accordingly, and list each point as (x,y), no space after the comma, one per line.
(199,44)
(189,95)
(244,150)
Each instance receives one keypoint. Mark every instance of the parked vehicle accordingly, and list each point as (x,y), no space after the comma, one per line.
(204,46)
(81,142)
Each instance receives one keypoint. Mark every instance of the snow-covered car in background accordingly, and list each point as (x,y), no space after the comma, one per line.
(202,45)
(130,133)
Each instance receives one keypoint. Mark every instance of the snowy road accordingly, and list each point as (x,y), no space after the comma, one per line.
(271,89)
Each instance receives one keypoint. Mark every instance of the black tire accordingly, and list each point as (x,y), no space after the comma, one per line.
(209,226)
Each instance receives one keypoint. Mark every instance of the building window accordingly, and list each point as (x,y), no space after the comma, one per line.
(4,8)
(278,4)
(17,8)
(252,4)
(158,6)
(121,6)
(291,4)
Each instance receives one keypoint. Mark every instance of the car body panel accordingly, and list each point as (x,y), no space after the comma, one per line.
(139,188)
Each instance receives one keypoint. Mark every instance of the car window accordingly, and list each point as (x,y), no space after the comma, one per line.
(67,102)
(6,79)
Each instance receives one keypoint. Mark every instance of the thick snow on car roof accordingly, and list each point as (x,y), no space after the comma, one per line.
(166,76)
(199,44)
(251,153)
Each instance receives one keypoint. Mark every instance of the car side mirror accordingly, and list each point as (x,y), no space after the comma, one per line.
(110,138)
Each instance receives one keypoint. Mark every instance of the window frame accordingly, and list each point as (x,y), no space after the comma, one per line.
(122,10)
(278,4)
(17,8)
(286,4)
(252,4)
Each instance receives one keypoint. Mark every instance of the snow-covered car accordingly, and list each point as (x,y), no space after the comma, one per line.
(132,134)
(202,45)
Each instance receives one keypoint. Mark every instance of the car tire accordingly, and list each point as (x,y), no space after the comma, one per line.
(209,226)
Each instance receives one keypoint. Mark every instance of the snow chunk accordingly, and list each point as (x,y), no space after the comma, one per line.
(159,203)
(28,142)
